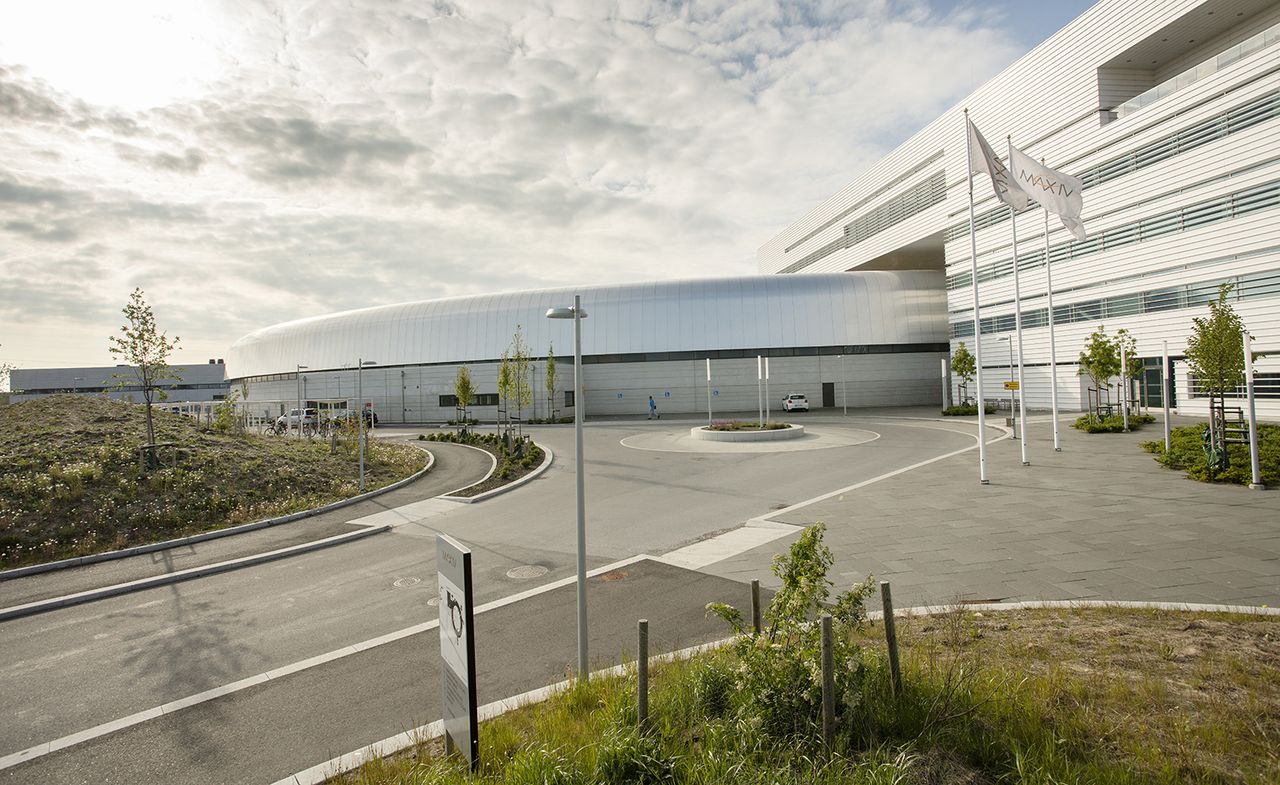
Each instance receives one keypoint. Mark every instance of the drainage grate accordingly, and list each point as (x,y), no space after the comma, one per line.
(526,572)
(404,583)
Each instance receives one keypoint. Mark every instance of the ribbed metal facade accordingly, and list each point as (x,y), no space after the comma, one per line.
(638,340)
(1169,110)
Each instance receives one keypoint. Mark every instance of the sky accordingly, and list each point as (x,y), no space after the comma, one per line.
(249,163)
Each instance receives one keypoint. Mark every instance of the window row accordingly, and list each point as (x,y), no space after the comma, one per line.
(1223,208)
(1193,295)
(1233,121)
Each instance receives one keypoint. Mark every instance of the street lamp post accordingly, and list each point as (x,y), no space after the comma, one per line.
(360,364)
(708,391)
(1013,401)
(75,384)
(301,368)
(576,313)
(844,388)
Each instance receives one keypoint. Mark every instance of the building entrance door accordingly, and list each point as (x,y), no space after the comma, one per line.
(828,395)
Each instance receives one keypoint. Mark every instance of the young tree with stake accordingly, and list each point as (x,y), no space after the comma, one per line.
(963,366)
(147,350)
(1100,360)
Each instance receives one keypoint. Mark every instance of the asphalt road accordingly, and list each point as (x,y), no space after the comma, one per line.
(71,669)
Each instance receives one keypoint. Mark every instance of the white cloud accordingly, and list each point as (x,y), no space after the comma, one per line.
(348,154)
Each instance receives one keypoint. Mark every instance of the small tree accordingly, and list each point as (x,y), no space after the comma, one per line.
(963,366)
(519,381)
(464,392)
(1215,349)
(146,350)
(504,386)
(1215,354)
(551,381)
(1100,360)
(5,370)
(1127,356)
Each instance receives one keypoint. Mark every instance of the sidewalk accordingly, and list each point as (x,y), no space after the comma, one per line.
(1099,520)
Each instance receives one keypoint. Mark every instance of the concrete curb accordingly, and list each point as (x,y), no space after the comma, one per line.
(701,433)
(318,774)
(41,606)
(547,456)
(63,564)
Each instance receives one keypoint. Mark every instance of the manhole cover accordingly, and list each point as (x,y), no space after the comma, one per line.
(404,583)
(526,572)
(616,575)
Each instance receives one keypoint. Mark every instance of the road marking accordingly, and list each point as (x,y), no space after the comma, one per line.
(764,529)
(752,534)
(137,718)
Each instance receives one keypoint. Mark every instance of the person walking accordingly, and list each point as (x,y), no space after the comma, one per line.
(653,410)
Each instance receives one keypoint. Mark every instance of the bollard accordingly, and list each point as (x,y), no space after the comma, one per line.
(642,674)
(891,637)
(755,606)
(828,684)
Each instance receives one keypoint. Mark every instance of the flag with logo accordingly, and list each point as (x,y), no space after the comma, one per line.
(1056,192)
(982,160)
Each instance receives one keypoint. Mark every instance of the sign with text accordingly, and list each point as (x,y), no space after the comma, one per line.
(457,648)
(1011,385)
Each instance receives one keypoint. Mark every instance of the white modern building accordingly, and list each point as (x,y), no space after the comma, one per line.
(205,382)
(1169,111)
(865,339)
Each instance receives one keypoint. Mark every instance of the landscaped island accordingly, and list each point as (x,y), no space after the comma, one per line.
(1080,696)
(72,482)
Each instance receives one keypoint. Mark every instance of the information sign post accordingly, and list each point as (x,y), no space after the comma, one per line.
(457,649)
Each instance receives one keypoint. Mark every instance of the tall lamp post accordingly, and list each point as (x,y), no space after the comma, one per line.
(1013,401)
(301,368)
(75,383)
(360,364)
(844,388)
(576,313)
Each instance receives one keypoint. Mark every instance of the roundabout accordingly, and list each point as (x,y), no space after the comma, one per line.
(795,439)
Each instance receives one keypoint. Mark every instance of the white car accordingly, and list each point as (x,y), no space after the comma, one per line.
(289,422)
(795,402)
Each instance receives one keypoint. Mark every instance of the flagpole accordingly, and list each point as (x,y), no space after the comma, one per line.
(1017,325)
(977,321)
(1053,355)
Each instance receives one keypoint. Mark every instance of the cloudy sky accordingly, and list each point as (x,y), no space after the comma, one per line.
(247,163)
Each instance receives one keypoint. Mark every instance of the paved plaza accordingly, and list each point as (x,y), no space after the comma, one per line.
(1099,520)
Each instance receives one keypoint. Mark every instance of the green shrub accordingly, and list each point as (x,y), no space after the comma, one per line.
(777,686)
(1188,454)
(1112,424)
(966,410)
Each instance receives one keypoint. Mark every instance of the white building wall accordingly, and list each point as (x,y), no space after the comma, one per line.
(1050,102)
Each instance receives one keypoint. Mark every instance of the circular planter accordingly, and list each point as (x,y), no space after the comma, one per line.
(779,435)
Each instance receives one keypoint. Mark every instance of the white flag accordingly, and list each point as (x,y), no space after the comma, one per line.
(1056,192)
(983,160)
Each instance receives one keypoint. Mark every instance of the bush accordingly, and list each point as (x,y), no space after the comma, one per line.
(966,410)
(777,686)
(745,425)
(1188,454)
(1112,424)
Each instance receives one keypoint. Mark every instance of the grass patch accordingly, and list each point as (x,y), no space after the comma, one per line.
(515,460)
(1187,454)
(1111,424)
(745,425)
(1045,696)
(966,410)
(71,483)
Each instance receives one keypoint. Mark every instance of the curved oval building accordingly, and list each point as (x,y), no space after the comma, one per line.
(868,338)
